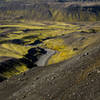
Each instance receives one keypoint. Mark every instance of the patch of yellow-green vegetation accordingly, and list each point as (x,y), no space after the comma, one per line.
(32,22)
(36,31)
(22,26)
(62,26)
(1,31)
(59,32)
(54,44)
(41,31)
(18,32)
(16,71)
(61,56)
(54,29)
(57,29)
(19,36)
(63,51)
(13,50)
(50,33)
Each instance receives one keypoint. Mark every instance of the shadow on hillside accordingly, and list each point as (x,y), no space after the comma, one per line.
(28,60)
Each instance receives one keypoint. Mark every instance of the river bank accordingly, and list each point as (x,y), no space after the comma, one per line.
(43,60)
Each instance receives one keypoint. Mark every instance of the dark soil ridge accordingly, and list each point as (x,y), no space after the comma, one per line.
(75,79)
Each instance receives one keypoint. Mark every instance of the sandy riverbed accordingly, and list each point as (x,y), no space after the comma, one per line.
(43,60)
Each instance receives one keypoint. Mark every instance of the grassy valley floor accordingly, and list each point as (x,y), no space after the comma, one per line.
(26,42)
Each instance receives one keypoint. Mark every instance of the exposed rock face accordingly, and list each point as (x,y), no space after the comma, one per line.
(42,10)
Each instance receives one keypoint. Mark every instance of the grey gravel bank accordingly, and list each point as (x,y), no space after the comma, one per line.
(43,60)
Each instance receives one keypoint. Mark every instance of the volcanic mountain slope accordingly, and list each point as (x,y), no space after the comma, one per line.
(23,44)
(75,79)
(55,11)
(31,28)
(78,77)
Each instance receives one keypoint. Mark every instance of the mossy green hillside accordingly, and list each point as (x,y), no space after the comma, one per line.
(19,38)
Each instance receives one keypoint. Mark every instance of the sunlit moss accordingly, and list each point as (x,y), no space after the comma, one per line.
(13,50)
(61,56)
(63,51)
(16,71)
(37,31)
(23,26)
(21,68)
